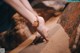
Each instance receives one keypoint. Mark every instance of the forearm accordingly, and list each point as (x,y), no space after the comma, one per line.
(16,4)
(28,6)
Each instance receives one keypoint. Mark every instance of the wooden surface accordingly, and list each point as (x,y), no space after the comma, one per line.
(70,20)
(24,44)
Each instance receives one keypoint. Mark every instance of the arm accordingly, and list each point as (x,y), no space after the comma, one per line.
(29,14)
(16,4)
(28,6)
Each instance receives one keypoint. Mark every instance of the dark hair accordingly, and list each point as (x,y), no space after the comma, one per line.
(30,1)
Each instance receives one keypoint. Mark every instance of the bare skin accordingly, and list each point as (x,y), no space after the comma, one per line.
(22,10)
(28,6)
(42,28)
(25,9)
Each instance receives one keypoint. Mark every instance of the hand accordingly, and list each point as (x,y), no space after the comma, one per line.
(42,28)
